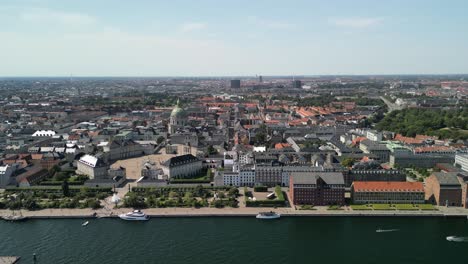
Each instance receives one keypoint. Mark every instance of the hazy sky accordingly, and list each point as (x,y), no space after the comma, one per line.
(224,37)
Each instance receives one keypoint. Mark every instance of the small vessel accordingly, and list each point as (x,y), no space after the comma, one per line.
(268,215)
(386,230)
(85,223)
(136,215)
(457,239)
(14,217)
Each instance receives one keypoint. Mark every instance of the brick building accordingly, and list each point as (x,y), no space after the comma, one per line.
(444,189)
(463,179)
(317,188)
(387,192)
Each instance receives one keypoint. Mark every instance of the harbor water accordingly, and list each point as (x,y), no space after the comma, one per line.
(238,240)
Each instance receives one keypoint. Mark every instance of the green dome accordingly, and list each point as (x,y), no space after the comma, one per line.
(178,111)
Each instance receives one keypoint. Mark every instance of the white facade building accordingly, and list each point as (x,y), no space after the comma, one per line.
(461,160)
(44,133)
(92,166)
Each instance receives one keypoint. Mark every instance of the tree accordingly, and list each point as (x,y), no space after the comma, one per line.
(348,162)
(133,200)
(260,139)
(65,189)
(160,139)
(211,150)
(233,191)
(54,170)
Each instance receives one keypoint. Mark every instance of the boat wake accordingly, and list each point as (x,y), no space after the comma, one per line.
(457,239)
(386,230)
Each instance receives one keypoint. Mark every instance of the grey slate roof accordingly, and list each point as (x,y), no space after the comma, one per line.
(447,179)
(311,177)
(179,160)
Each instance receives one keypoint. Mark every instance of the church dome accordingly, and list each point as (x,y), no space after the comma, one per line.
(178,112)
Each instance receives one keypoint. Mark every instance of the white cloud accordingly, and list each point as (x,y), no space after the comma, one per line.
(356,22)
(188,27)
(271,24)
(44,15)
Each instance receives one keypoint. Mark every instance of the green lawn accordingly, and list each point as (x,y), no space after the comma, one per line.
(406,207)
(334,207)
(360,207)
(428,207)
(383,207)
(307,207)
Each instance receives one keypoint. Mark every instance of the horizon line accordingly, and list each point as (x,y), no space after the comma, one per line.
(232,76)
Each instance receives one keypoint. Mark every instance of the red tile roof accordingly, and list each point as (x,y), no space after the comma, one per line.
(376,186)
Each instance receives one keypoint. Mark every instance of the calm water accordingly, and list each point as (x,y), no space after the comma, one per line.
(237,240)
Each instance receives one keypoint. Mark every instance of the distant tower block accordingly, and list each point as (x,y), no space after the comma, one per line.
(260,79)
(297,84)
(235,83)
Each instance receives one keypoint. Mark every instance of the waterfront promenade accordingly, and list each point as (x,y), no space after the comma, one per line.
(245,211)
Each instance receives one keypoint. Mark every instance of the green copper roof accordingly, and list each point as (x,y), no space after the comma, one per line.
(178,111)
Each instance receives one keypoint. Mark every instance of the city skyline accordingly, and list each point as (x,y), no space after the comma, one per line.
(50,38)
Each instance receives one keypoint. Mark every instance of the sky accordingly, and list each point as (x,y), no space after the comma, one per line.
(232,38)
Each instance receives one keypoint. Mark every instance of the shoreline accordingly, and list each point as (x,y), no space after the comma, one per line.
(228,212)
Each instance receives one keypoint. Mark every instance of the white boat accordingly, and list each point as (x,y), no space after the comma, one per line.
(457,239)
(385,230)
(268,215)
(85,223)
(136,215)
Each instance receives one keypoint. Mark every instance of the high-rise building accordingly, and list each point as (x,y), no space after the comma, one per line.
(235,83)
(260,79)
(297,84)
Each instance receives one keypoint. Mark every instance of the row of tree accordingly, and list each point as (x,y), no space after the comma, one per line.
(412,121)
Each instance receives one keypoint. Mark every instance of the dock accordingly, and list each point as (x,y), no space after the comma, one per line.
(9,259)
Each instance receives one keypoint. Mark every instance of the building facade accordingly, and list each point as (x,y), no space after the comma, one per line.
(461,161)
(444,189)
(365,192)
(184,166)
(91,166)
(317,188)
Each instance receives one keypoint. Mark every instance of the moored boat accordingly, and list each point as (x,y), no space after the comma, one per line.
(14,218)
(268,215)
(136,215)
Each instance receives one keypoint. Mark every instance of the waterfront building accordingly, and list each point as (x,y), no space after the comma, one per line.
(373,175)
(364,192)
(183,166)
(268,175)
(317,188)
(463,179)
(444,189)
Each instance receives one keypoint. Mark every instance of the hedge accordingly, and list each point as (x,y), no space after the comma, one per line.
(176,181)
(59,183)
(279,201)
(178,188)
(260,189)
(264,203)
(55,189)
